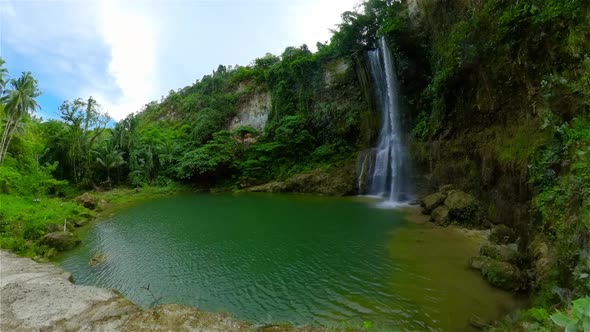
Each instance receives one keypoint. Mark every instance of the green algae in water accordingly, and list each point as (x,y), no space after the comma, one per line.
(282,258)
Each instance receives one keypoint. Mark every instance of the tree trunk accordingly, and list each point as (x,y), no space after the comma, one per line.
(10,136)
(4,137)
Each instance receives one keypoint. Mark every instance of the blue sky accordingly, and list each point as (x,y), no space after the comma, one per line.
(127,53)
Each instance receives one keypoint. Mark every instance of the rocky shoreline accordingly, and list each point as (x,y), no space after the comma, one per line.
(42,297)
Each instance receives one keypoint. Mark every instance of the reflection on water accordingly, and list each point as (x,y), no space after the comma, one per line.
(282,258)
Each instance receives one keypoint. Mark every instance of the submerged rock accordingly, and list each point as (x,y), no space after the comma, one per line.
(97,259)
(431,202)
(87,200)
(478,322)
(60,240)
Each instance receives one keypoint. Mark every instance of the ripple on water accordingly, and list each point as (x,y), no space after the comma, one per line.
(268,258)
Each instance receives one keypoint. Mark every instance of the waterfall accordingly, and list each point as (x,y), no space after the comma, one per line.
(388,178)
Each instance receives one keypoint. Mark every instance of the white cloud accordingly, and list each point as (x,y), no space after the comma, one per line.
(127,53)
(313,20)
(130,36)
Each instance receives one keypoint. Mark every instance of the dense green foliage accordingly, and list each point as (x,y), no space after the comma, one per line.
(502,86)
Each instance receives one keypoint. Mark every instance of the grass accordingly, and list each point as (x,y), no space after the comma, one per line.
(24,220)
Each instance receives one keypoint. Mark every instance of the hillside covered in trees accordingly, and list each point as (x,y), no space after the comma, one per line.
(496,102)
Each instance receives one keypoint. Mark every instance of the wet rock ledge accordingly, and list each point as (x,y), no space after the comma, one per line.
(35,296)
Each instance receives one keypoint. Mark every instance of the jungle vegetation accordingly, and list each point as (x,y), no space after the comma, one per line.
(511,79)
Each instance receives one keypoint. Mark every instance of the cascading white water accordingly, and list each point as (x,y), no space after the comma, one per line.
(388,178)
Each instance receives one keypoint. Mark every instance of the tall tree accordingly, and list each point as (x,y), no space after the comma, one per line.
(85,122)
(19,102)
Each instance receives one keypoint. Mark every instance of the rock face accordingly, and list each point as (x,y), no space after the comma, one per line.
(87,200)
(334,69)
(253,111)
(60,240)
(338,182)
(40,296)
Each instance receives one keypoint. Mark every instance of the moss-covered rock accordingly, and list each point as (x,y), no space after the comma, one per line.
(87,200)
(462,207)
(431,202)
(499,274)
(502,234)
(502,275)
(503,253)
(60,240)
(440,215)
(478,262)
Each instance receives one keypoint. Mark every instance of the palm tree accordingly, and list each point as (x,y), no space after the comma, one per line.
(108,158)
(3,74)
(19,101)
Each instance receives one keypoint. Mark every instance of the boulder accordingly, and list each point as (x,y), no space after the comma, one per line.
(440,215)
(478,262)
(446,189)
(502,275)
(80,222)
(462,207)
(60,240)
(431,202)
(502,253)
(87,200)
(502,234)
(102,205)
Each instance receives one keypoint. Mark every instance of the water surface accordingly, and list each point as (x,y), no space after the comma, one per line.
(296,259)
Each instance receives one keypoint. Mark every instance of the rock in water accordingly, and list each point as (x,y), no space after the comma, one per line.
(97,259)
(502,253)
(479,262)
(477,322)
(502,275)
